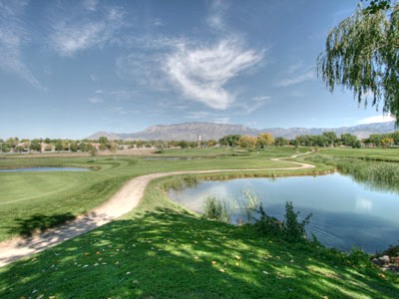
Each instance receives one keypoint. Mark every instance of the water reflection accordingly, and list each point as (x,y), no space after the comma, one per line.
(345,213)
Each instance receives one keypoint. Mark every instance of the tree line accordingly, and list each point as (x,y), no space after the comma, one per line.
(246,142)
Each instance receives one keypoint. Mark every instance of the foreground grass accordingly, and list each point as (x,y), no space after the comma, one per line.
(27,197)
(162,251)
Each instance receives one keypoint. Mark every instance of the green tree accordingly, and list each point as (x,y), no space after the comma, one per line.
(362,54)
(35,145)
(350,140)
(73,146)
(331,139)
(229,140)
(280,141)
(113,147)
(93,152)
(59,145)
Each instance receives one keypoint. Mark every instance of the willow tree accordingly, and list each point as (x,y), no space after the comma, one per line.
(362,54)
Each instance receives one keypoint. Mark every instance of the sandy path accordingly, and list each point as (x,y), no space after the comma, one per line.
(126,199)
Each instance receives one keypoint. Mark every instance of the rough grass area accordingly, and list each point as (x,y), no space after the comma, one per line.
(162,251)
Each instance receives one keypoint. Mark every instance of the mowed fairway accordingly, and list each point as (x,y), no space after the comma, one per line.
(58,196)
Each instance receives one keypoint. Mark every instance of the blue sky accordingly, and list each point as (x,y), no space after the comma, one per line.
(71,68)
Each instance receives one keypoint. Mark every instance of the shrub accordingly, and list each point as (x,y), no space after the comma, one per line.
(266,224)
(292,229)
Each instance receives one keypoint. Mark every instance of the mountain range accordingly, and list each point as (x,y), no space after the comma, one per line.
(192,131)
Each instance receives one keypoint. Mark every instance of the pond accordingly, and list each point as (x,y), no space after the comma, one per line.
(45,169)
(345,213)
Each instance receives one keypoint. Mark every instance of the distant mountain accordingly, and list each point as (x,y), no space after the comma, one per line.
(207,131)
(110,136)
(361,131)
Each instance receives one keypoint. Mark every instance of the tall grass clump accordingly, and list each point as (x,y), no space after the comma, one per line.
(290,229)
(215,209)
(179,183)
(250,206)
(375,174)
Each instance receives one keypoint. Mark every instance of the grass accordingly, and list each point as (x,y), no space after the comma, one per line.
(24,195)
(368,154)
(161,250)
(376,173)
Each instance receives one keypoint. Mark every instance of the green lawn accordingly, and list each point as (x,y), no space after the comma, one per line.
(59,194)
(378,154)
(160,250)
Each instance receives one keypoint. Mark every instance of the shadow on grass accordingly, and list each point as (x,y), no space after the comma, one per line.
(164,254)
(38,223)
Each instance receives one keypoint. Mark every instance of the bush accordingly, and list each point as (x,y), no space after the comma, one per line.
(268,225)
(294,230)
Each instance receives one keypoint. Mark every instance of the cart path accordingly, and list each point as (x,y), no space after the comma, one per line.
(126,199)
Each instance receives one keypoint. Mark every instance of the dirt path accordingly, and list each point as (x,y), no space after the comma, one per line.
(126,199)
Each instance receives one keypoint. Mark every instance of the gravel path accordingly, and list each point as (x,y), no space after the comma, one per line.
(126,199)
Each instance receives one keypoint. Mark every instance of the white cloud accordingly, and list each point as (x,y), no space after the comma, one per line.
(72,35)
(123,95)
(201,73)
(297,78)
(216,16)
(248,107)
(95,100)
(158,22)
(261,99)
(90,5)
(13,36)
(376,119)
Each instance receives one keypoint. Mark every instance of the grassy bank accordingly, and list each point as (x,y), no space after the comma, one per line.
(162,251)
(372,167)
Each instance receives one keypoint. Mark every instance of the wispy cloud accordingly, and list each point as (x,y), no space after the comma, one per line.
(248,107)
(297,78)
(215,19)
(13,36)
(201,73)
(376,119)
(95,100)
(90,5)
(144,68)
(87,30)
(198,70)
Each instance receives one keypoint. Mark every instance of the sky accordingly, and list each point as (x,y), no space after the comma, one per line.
(71,68)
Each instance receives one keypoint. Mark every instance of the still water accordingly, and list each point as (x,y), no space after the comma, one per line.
(345,213)
(44,169)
